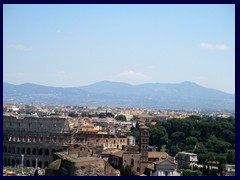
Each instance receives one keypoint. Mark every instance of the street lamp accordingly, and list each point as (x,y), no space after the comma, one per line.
(22,162)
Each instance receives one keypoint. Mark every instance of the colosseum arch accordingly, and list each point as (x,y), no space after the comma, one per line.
(53,151)
(23,150)
(9,149)
(17,161)
(18,150)
(28,151)
(40,152)
(46,152)
(33,163)
(46,164)
(13,150)
(34,151)
(28,163)
(40,164)
(13,162)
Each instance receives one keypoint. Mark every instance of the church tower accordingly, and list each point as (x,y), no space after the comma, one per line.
(144,142)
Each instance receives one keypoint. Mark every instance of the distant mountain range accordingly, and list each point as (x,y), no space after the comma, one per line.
(182,96)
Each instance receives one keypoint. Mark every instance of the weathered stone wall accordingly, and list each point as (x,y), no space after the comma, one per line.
(132,160)
(36,138)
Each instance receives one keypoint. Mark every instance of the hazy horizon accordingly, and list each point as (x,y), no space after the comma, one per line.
(113,82)
(78,45)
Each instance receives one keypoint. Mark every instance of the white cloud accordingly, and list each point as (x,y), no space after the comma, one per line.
(20,47)
(134,77)
(221,47)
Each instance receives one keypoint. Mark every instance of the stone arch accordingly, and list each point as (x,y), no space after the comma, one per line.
(40,164)
(14,138)
(34,151)
(40,152)
(60,139)
(13,150)
(53,151)
(46,164)
(54,139)
(23,150)
(13,162)
(28,163)
(17,162)
(9,149)
(47,139)
(33,163)
(29,139)
(28,151)
(46,152)
(18,150)
(41,139)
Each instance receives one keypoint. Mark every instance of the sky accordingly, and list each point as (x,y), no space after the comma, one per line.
(77,45)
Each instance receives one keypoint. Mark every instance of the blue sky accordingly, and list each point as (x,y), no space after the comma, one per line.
(75,45)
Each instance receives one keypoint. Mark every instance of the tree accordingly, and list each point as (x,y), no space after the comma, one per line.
(178,136)
(127,171)
(189,172)
(230,157)
(174,150)
(102,115)
(158,136)
(191,141)
(121,117)
(137,126)
(73,114)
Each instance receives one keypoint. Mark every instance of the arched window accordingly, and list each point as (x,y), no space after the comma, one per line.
(40,164)
(27,163)
(132,162)
(46,152)
(28,150)
(40,152)
(53,151)
(23,150)
(46,164)
(34,151)
(33,163)
(13,162)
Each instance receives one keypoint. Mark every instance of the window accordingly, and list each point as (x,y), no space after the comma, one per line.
(132,162)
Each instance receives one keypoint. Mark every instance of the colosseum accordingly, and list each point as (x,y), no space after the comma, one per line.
(33,140)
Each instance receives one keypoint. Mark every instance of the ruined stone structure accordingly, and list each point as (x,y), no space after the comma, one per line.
(34,138)
(65,164)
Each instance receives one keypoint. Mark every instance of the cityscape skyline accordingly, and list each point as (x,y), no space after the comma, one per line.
(77,45)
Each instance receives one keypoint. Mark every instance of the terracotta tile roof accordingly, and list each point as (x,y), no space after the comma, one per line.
(161,155)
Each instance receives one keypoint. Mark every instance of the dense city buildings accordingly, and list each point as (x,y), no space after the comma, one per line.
(68,140)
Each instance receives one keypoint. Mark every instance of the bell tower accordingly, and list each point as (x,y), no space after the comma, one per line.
(144,142)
